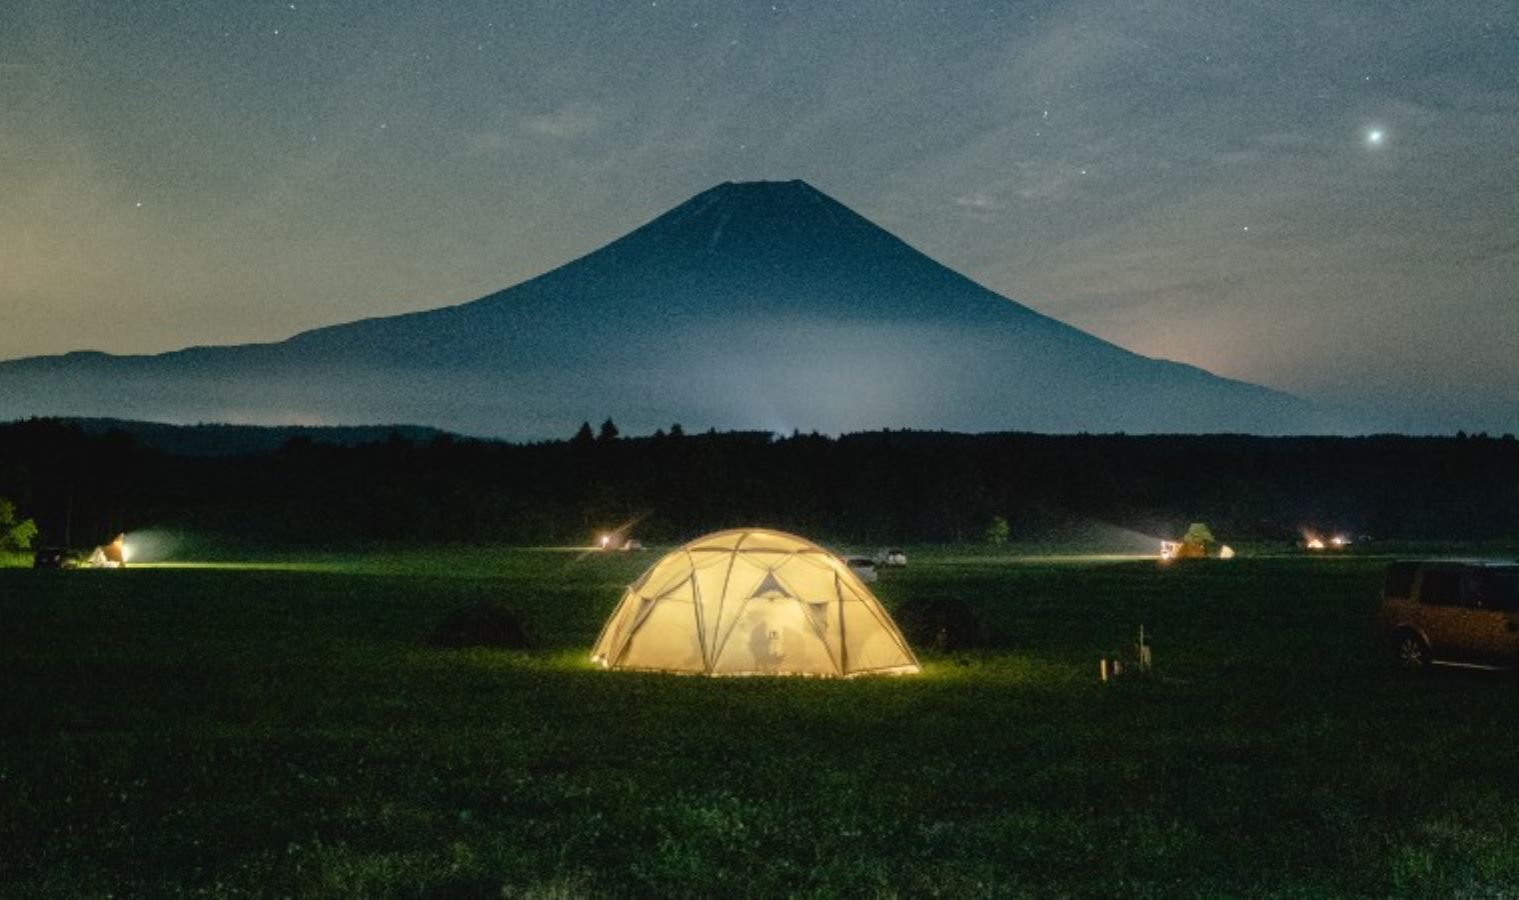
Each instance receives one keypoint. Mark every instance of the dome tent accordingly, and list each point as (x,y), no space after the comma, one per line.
(752,602)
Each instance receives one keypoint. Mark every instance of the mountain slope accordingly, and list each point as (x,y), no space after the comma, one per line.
(753,305)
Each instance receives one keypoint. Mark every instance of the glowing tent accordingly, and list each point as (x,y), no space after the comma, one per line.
(752,602)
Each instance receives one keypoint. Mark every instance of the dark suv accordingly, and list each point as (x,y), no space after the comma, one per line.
(52,558)
(1452,613)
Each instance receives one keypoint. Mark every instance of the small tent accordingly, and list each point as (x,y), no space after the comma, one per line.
(110,556)
(752,602)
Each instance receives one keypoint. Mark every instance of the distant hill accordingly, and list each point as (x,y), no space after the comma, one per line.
(240,440)
(762,305)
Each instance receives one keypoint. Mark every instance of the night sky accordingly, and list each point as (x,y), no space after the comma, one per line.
(1319,197)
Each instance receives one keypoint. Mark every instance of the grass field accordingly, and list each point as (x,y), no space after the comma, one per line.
(284,728)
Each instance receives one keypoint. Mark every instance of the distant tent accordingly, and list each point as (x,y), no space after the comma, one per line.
(110,556)
(752,602)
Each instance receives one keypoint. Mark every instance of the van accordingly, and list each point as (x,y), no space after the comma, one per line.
(1441,612)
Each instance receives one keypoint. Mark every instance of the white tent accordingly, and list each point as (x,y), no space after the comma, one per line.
(752,602)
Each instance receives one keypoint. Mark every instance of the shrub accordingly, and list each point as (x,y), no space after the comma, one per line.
(940,623)
(15,534)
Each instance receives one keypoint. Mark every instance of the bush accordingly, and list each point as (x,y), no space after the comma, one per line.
(481,625)
(940,623)
(15,534)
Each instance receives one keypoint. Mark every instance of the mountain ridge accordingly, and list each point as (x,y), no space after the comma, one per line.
(769,300)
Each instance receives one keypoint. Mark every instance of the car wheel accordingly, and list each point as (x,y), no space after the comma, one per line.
(1411,653)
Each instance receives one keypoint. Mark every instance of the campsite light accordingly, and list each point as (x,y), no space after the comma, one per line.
(1226,552)
(605,541)
(1168,550)
(1315,543)
(1339,541)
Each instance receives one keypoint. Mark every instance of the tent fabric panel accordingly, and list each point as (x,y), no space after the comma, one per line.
(664,575)
(773,637)
(666,640)
(612,619)
(807,580)
(743,577)
(721,540)
(616,629)
(868,645)
(769,541)
(715,584)
(635,609)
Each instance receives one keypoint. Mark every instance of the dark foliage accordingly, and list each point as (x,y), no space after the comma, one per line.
(879,487)
(481,625)
(940,623)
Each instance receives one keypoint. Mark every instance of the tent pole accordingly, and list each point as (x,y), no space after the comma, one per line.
(838,591)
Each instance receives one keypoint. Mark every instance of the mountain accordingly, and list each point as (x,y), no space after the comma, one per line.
(752,305)
(246,440)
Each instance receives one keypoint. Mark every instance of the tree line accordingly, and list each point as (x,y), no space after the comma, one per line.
(878,487)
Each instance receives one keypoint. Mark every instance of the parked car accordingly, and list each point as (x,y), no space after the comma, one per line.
(53,558)
(1441,612)
(894,558)
(863,566)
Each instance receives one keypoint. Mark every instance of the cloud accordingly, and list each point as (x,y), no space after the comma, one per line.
(977,200)
(571,123)
(567,123)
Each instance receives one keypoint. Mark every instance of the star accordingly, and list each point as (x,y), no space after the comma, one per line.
(1375,137)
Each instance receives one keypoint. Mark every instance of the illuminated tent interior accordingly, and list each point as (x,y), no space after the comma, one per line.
(752,602)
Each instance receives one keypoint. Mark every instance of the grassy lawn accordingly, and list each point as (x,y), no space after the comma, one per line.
(284,728)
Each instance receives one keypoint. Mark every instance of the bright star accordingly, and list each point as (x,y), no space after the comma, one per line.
(1375,137)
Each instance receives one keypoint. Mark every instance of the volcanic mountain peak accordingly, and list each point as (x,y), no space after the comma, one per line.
(759,217)
(794,194)
(753,304)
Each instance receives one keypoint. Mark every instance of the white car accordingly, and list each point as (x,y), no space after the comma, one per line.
(862,567)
